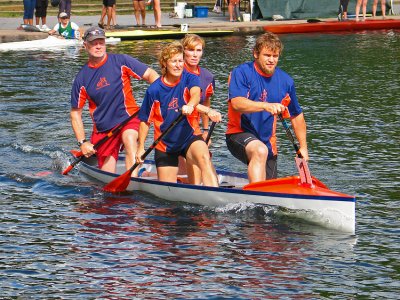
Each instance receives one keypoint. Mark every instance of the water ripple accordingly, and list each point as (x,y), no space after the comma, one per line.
(62,237)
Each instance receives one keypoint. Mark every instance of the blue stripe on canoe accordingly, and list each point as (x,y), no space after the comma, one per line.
(229,190)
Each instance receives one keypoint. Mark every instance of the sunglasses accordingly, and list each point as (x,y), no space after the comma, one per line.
(96,32)
(65,18)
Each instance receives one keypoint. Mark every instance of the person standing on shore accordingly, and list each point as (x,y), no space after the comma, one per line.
(342,14)
(157,11)
(383,8)
(29,8)
(110,9)
(258,92)
(233,9)
(217,6)
(65,6)
(364,9)
(104,10)
(41,14)
(139,10)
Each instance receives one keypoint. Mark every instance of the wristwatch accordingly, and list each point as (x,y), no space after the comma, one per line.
(81,142)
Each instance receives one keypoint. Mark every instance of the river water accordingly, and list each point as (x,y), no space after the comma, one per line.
(63,238)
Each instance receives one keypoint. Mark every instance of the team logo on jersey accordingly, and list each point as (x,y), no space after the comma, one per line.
(264,96)
(173,104)
(102,83)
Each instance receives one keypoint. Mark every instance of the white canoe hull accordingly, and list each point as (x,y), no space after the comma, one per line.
(332,212)
(51,42)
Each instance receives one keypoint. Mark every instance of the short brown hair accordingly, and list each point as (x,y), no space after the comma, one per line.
(190,40)
(268,40)
(167,52)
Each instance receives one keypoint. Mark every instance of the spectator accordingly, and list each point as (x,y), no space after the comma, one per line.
(383,7)
(65,6)
(109,9)
(342,15)
(217,6)
(140,11)
(233,9)
(364,9)
(157,12)
(41,14)
(113,22)
(102,16)
(114,16)
(29,8)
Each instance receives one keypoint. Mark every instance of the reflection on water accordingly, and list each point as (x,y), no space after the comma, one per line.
(61,237)
(205,248)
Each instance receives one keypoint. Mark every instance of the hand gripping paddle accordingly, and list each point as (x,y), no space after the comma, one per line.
(301,163)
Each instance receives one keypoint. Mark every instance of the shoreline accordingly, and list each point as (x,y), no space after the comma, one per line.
(214,21)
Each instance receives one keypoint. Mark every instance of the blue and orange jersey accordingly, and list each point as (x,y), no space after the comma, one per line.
(161,106)
(107,87)
(207,82)
(248,81)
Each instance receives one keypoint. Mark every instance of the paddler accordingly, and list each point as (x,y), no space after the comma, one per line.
(176,91)
(193,46)
(105,82)
(258,92)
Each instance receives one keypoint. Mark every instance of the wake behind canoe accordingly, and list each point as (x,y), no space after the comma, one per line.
(319,204)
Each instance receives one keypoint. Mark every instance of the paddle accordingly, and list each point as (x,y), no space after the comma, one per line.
(120,183)
(302,166)
(79,155)
(210,132)
(208,137)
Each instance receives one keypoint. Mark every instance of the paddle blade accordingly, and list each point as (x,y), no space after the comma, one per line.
(79,157)
(119,184)
(304,171)
(67,170)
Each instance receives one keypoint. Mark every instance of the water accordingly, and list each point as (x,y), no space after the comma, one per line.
(61,237)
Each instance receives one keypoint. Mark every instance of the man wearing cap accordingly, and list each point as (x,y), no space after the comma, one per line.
(105,81)
(65,27)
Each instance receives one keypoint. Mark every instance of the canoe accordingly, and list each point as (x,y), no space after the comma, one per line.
(51,42)
(316,203)
(332,26)
(163,34)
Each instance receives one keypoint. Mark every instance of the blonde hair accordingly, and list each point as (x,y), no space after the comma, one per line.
(268,40)
(167,52)
(191,40)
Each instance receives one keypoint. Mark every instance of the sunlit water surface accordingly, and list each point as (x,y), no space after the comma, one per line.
(62,237)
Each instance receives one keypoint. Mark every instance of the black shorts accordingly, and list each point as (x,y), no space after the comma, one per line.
(171,159)
(109,3)
(344,4)
(237,143)
(41,8)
